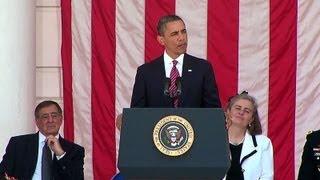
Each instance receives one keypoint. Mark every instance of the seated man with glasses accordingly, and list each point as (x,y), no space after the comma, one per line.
(45,154)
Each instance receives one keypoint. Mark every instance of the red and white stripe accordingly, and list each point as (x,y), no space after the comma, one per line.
(269,48)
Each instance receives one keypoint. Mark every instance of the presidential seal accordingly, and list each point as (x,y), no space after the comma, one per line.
(173,135)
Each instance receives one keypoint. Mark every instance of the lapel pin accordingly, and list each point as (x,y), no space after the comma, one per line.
(189,70)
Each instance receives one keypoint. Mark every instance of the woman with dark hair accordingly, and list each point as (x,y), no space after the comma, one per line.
(251,152)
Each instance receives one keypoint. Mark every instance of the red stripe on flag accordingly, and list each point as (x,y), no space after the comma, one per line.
(282,90)
(154,10)
(103,88)
(222,48)
(66,55)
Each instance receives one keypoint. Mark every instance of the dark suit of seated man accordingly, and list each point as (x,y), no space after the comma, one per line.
(196,82)
(25,154)
(310,164)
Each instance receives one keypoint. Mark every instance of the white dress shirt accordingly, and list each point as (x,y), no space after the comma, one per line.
(168,64)
(41,143)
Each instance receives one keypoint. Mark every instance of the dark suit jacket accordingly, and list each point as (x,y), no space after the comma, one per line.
(198,86)
(310,165)
(21,156)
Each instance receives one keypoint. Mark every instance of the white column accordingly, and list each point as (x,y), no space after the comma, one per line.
(17,68)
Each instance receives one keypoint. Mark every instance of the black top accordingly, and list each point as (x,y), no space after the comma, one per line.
(310,164)
(235,170)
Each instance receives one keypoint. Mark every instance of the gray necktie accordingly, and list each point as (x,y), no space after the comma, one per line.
(46,165)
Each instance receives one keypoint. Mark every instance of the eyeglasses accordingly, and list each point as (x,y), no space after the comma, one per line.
(54,116)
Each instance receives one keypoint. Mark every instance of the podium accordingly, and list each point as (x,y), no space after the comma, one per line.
(140,156)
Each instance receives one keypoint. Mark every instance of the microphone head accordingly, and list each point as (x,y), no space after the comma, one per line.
(166,91)
(178,92)
(178,83)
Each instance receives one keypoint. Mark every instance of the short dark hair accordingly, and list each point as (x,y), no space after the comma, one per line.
(255,127)
(44,104)
(163,22)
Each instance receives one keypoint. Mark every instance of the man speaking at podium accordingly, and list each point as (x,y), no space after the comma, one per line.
(175,79)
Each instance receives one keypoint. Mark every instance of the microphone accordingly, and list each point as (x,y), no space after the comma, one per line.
(167,83)
(178,84)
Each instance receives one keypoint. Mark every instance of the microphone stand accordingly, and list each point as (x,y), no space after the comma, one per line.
(167,84)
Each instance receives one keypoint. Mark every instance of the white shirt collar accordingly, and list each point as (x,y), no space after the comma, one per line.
(168,64)
(42,137)
(41,143)
(168,59)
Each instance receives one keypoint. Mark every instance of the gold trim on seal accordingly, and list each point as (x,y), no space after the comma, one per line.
(157,135)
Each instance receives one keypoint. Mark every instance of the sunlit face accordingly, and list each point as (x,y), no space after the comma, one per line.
(174,38)
(49,120)
(241,113)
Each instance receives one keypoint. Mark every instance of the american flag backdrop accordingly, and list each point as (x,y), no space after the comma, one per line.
(271,48)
